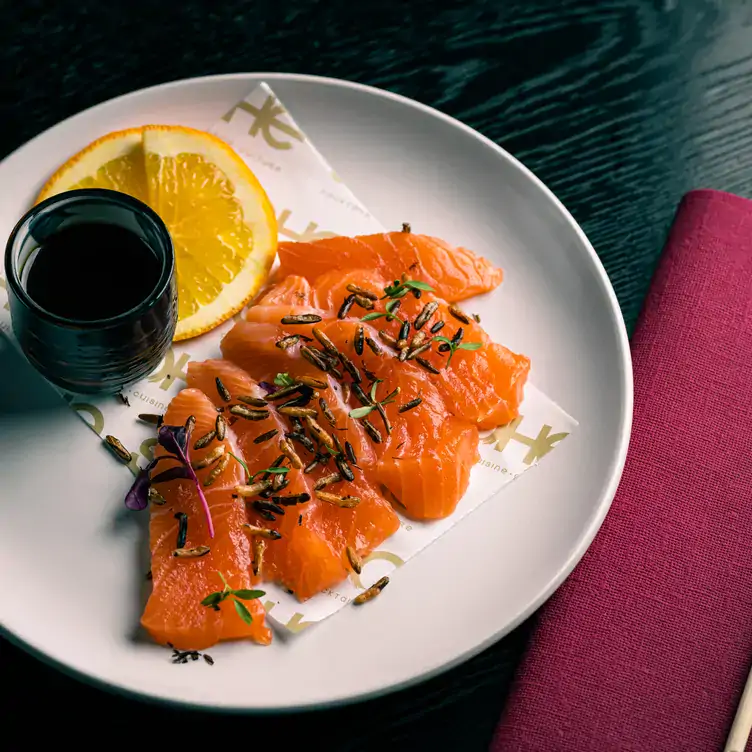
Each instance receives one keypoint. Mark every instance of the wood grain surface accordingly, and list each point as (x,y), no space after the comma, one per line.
(620,106)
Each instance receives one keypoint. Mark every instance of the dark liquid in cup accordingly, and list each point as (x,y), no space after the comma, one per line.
(92,271)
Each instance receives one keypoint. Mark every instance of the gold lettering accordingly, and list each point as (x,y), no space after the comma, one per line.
(97,419)
(308,235)
(264,120)
(376,556)
(171,370)
(296,623)
(539,447)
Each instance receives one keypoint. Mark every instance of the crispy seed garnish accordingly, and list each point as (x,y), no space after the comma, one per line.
(220,426)
(459,314)
(222,390)
(418,340)
(191,553)
(122,397)
(359,339)
(337,444)
(345,502)
(326,343)
(327,480)
(428,366)
(297,425)
(404,331)
(117,448)
(298,412)
(268,506)
(371,430)
(257,563)
(311,466)
(428,310)
(262,532)
(458,336)
(217,470)
(206,439)
(303,318)
(406,227)
(253,401)
(395,303)
(355,561)
(375,348)
(314,358)
(155,497)
(150,418)
(382,412)
(370,375)
(414,352)
(417,294)
(357,290)
(261,438)
(303,440)
(476,317)
(372,592)
(346,393)
(190,424)
(387,339)
(444,347)
(285,391)
(244,412)
(336,373)
(300,519)
(268,516)
(300,401)
(253,489)
(409,405)
(279,481)
(286,447)
(363,398)
(438,326)
(351,368)
(292,499)
(347,304)
(344,468)
(350,453)
(277,463)
(210,458)
(312,383)
(402,357)
(286,342)
(319,433)
(364,302)
(328,414)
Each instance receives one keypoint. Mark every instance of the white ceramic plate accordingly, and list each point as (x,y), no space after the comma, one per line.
(69,580)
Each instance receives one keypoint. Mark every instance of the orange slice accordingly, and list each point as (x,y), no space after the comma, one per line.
(220,218)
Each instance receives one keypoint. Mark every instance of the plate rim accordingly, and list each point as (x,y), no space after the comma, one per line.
(585,538)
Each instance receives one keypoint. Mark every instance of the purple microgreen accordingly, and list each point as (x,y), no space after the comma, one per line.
(137,497)
(267,387)
(172,473)
(175,440)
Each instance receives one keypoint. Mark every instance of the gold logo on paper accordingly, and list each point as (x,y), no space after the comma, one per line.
(3,286)
(539,447)
(97,419)
(171,370)
(264,120)
(376,556)
(296,623)
(308,235)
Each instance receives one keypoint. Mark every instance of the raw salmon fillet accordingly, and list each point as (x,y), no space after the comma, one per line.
(454,273)
(413,453)
(174,613)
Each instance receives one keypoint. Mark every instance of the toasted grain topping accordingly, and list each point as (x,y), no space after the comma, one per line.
(261,532)
(355,561)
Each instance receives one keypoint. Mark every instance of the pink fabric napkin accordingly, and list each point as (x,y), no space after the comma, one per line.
(647,645)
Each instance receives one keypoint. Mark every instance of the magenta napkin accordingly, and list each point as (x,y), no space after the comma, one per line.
(647,645)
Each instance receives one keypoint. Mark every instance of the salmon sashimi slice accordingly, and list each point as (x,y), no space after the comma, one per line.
(311,554)
(454,273)
(174,613)
(292,290)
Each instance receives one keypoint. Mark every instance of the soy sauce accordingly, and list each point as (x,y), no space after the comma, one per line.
(92,271)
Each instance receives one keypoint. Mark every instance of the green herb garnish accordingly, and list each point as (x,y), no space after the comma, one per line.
(271,470)
(454,346)
(400,289)
(283,379)
(214,599)
(243,465)
(361,412)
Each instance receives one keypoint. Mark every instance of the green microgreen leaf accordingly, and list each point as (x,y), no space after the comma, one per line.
(272,470)
(213,599)
(416,284)
(470,346)
(373,388)
(361,412)
(243,465)
(283,379)
(243,612)
(373,316)
(391,305)
(222,577)
(248,595)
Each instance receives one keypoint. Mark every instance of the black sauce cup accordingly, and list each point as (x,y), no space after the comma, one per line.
(92,356)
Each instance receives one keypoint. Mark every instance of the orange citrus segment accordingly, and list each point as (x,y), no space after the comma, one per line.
(115,161)
(221,221)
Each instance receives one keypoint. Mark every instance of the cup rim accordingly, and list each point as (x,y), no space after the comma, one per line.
(103,195)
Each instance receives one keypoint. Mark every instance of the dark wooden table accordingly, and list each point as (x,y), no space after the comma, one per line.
(620,106)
